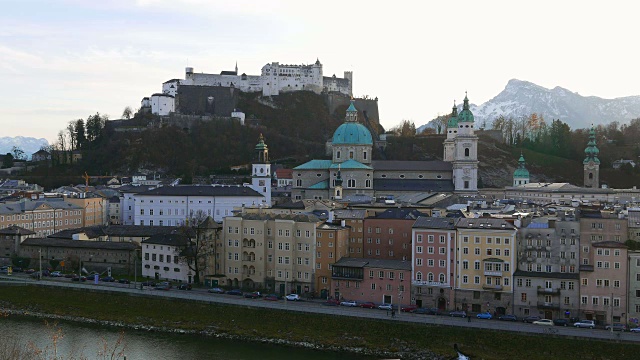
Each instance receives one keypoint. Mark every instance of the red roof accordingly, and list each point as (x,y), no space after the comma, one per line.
(284,173)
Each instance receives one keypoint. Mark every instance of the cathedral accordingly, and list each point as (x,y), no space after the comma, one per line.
(352,171)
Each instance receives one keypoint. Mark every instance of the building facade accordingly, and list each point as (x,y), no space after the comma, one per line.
(375,280)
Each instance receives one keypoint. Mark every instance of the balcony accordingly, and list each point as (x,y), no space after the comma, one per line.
(492,287)
(586,267)
(493,273)
(338,276)
(548,305)
(429,283)
(549,291)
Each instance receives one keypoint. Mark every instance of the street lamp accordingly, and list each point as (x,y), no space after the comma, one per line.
(40,260)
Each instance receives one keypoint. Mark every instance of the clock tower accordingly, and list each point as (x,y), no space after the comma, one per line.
(261,172)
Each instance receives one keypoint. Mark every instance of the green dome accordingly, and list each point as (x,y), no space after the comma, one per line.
(352,133)
(521,173)
(465,115)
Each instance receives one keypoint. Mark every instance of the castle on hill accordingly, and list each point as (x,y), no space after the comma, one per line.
(273,79)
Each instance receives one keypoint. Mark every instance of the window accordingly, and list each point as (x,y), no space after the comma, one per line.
(419,250)
(418,262)
(419,239)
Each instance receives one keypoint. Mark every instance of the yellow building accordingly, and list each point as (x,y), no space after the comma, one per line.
(331,245)
(486,261)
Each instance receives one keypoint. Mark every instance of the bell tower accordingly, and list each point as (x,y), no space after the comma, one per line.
(591,162)
(261,171)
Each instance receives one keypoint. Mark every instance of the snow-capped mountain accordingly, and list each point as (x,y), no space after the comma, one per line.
(522,98)
(28,144)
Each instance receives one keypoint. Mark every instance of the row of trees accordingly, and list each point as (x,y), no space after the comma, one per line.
(80,133)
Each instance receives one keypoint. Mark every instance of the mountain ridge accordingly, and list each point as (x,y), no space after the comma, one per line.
(26,143)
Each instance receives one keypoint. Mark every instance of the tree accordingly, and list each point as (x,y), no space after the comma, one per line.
(126,114)
(406,128)
(7,161)
(18,153)
(71,134)
(80,135)
(94,125)
(202,232)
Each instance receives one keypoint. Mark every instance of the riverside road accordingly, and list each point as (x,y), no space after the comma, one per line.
(318,307)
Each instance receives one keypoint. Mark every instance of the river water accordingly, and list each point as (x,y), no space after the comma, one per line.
(86,341)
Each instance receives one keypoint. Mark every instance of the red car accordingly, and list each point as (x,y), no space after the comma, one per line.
(409,308)
(367,305)
(332,302)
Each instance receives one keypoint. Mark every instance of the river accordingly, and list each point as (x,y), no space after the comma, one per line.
(82,341)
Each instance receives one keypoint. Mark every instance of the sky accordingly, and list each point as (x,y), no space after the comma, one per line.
(62,60)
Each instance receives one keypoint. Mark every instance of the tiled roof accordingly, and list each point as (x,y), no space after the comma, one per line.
(322,185)
(485,223)
(425,222)
(15,230)
(400,214)
(83,244)
(350,214)
(168,239)
(314,165)
(351,165)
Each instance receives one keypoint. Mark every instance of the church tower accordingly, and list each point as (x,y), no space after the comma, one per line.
(261,172)
(521,175)
(452,131)
(465,158)
(337,190)
(591,162)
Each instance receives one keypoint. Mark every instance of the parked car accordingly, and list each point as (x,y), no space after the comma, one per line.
(635,330)
(484,315)
(69,275)
(293,297)
(561,322)
(387,307)
(17,269)
(428,311)
(108,279)
(349,303)
(331,302)
(56,274)
(148,283)
(408,308)
(530,319)
(546,322)
(124,281)
(253,295)
(272,297)
(367,305)
(29,271)
(184,286)
(77,278)
(236,292)
(165,285)
(584,324)
(508,317)
(458,313)
(216,290)
(616,327)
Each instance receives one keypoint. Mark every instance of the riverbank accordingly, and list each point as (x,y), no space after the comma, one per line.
(375,338)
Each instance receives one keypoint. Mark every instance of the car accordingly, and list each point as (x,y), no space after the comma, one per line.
(165,285)
(148,283)
(272,297)
(331,302)
(367,305)
(108,279)
(508,317)
(56,274)
(635,330)
(428,311)
(29,271)
(387,307)
(458,313)
(349,303)
(236,292)
(530,319)
(69,275)
(408,308)
(124,281)
(78,278)
(616,327)
(546,322)
(17,269)
(561,322)
(293,297)
(484,315)
(216,290)
(184,286)
(585,324)
(253,295)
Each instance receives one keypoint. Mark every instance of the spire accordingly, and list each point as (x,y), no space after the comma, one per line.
(352,112)
(236,67)
(465,105)
(591,151)
(262,149)
(454,113)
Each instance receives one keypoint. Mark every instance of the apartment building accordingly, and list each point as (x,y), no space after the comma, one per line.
(486,260)
(388,234)
(354,220)
(433,262)
(43,216)
(331,245)
(375,280)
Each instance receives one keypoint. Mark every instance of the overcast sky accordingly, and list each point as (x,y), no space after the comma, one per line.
(63,60)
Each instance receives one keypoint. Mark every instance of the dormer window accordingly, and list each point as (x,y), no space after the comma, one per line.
(338,154)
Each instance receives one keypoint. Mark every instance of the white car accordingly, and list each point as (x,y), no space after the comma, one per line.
(635,329)
(348,303)
(56,274)
(547,322)
(293,297)
(385,307)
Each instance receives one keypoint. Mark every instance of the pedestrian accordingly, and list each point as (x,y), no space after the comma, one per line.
(468,318)
(393,313)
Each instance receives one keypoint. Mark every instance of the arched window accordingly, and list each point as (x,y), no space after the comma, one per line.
(364,155)
(466,151)
(419,276)
(367,183)
(430,277)
(350,154)
(338,154)
(442,278)
(338,192)
(590,176)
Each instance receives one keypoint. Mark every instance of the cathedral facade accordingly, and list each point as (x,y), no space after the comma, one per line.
(352,171)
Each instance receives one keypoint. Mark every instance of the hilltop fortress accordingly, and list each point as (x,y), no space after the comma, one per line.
(274,79)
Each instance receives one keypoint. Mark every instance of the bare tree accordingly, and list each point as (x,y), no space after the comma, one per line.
(126,114)
(202,232)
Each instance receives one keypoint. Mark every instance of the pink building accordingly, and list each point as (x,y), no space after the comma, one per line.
(433,268)
(603,283)
(375,280)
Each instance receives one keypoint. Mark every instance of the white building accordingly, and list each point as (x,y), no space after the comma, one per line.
(461,149)
(162,104)
(161,258)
